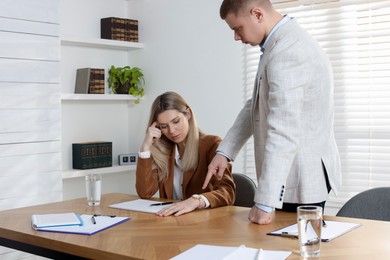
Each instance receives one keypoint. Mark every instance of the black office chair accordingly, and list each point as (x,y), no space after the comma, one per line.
(370,204)
(245,190)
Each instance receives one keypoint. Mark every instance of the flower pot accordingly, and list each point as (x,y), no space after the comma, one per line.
(123,89)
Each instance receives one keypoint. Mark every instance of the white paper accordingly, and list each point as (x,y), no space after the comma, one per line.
(230,253)
(141,205)
(332,230)
(50,220)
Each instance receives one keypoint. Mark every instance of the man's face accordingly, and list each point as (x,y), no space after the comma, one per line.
(247,28)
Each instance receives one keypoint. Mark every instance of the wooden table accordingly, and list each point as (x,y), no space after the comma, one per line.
(147,236)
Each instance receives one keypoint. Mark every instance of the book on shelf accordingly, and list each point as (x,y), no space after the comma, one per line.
(91,155)
(89,81)
(121,29)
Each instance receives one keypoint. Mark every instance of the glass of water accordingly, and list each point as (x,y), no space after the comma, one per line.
(93,185)
(309,230)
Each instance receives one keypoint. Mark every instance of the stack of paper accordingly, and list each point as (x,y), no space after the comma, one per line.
(141,205)
(230,253)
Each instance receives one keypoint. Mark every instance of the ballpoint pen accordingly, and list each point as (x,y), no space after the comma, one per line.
(161,204)
(93,220)
(99,215)
(323,223)
(289,235)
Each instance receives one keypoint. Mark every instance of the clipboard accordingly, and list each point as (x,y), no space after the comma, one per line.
(89,226)
(332,230)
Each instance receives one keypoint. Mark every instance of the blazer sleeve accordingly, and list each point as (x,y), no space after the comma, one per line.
(239,133)
(146,182)
(219,192)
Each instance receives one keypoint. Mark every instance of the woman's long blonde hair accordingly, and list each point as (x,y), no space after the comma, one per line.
(162,149)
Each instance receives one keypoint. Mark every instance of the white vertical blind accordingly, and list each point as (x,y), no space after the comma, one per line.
(30,105)
(355,34)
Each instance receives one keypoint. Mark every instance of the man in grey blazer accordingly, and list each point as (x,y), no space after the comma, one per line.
(290,114)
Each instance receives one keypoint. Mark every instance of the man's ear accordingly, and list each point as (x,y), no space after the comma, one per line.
(257,13)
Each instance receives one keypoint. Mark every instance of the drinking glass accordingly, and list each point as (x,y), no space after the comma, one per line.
(93,185)
(309,230)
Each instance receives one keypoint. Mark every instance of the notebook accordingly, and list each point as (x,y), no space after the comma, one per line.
(90,225)
(55,220)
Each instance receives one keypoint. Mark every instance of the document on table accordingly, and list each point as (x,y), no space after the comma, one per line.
(332,230)
(141,205)
(90,225)
(230,253)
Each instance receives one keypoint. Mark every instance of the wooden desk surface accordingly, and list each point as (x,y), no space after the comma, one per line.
(147,236)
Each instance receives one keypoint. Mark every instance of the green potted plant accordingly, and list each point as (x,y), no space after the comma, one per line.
(126,80)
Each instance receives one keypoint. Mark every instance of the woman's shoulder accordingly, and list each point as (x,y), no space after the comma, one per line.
(207,138)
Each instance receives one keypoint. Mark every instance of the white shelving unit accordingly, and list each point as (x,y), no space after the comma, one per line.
(95,117)
(68,97)
(102,43)
(104,170)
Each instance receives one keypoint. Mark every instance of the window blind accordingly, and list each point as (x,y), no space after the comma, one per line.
(355,34)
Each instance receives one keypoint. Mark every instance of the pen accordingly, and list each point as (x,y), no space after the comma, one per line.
(93,220)
(161,204)
(290,235)
(98,215)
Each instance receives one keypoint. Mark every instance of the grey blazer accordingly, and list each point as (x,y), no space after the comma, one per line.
(290,116)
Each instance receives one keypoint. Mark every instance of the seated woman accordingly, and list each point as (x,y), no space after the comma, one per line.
(174,158)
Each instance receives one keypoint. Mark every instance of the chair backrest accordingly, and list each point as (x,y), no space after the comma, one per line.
(245,190)
(370,204)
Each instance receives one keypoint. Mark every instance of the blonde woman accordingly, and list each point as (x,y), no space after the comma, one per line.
(173,160)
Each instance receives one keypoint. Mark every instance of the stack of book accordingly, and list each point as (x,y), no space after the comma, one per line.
(89,81)
(120,29)
(92,155)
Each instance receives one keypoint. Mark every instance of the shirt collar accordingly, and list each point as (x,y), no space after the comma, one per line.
(285,19)
(177,157)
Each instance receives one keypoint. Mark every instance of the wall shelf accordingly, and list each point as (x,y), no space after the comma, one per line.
(69,97)
(105,170)
(101,43)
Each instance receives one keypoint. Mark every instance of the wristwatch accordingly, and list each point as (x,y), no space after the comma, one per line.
(197,197)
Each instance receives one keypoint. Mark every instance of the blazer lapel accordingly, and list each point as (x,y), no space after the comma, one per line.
(259,76)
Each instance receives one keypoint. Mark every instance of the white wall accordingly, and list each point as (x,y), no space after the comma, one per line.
(187,49)
(190,50)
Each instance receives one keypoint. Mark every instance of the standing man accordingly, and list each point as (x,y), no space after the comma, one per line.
(290,114)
